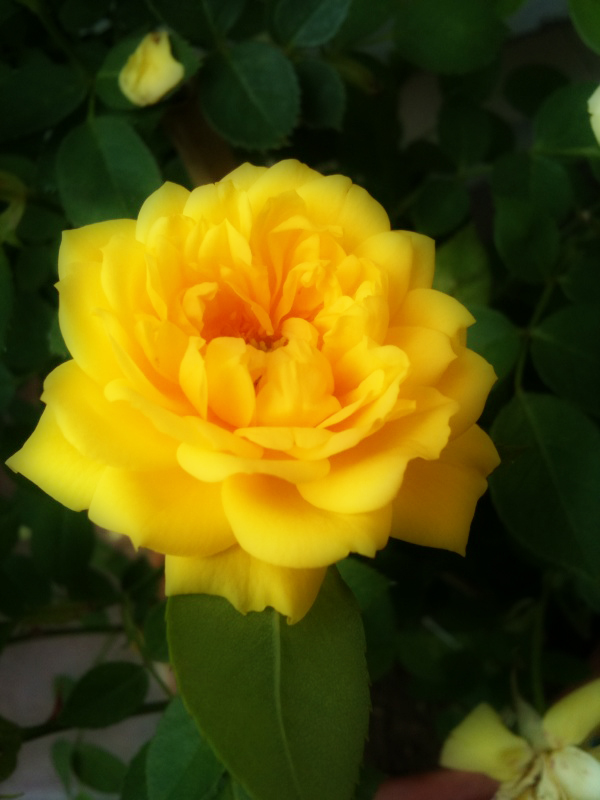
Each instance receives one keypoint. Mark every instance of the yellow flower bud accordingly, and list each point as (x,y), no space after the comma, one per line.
(594,110)
(151,71)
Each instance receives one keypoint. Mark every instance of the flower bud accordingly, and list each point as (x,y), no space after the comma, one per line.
(594,110)
(151,71)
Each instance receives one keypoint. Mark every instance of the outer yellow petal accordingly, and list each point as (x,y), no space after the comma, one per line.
(467,380)
(248,584)
(82,247)
(428,308)
(111,433)
(574,717)
(392,251)
(272,522)
(170,199)
(482,743)
(167,511)
(436,503)
(55,466)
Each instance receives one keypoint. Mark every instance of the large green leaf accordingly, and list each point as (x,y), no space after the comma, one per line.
(542,182)
(105,171)
(495,338)
(586,18)
(546,493)
(462,268)
(250,95)
(323,94)
(448,36)
(135,783)
(527,240)
(309,23)
(204,21)
(442,204)
(285,707)
(105,695)
(180,765)
(562,124)
(566,353)
(37,95)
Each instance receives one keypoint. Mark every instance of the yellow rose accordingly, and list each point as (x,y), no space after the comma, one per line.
(550,761)
(594,110)
(151,71)
(262,382)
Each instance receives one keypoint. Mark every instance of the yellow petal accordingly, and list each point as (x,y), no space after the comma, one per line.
(210,466)
(576,772)
(467,380)
(248,584)
(391,251)
(362,479)
(84,332)
(230,387)
(428,308)
(437,499)
(423,263)
(83,246)
(55,466)
(272,522)
(574,717)
(429,353)
(110,433)
(167,511)
(482,743)
(167,201)
(123,275)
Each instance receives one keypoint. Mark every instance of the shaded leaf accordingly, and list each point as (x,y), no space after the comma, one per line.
(135,783)
(105,171)
(495,338)
(440,207)
(295,693)
(105,695)
(566,352)
(562,124)
(97,768)
(250,95)
(155,633)
(308,24)
(180,764)
(323,94)
(527,86)
(204,21)
(547,494)
(462,268)
(448,36)
(586,18)
(527,240)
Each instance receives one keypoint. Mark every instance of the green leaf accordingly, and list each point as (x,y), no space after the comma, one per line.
(105,695)
(61,753)
(565,349)
(62,540)
(540,181)
(527,87)
(547,494)
(562,125)
(308,24)
(135,783)
(448,36)
(10,744)
(37,95)
(106,85)
(250,95)
(465,132)
(77,17)
(97,768)
(364,18)
(105,171)
(441,206)
(204,21)
(12,200)
(180,764)
(230,790)
(323,94)
(462,268)
(296,694)
(6,295)
(581,283)
(586,18)
(495,338)
(155,633)
(372,592)
(527,239)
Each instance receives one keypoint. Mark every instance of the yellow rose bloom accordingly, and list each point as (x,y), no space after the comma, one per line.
(543,764)
(151,71)
(263,381)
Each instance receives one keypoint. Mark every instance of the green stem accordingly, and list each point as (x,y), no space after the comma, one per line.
(538,312)
(54,726)
(135,637)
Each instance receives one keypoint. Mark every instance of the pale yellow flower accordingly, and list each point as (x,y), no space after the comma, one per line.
(594,110)
(550,761)
(151,71)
